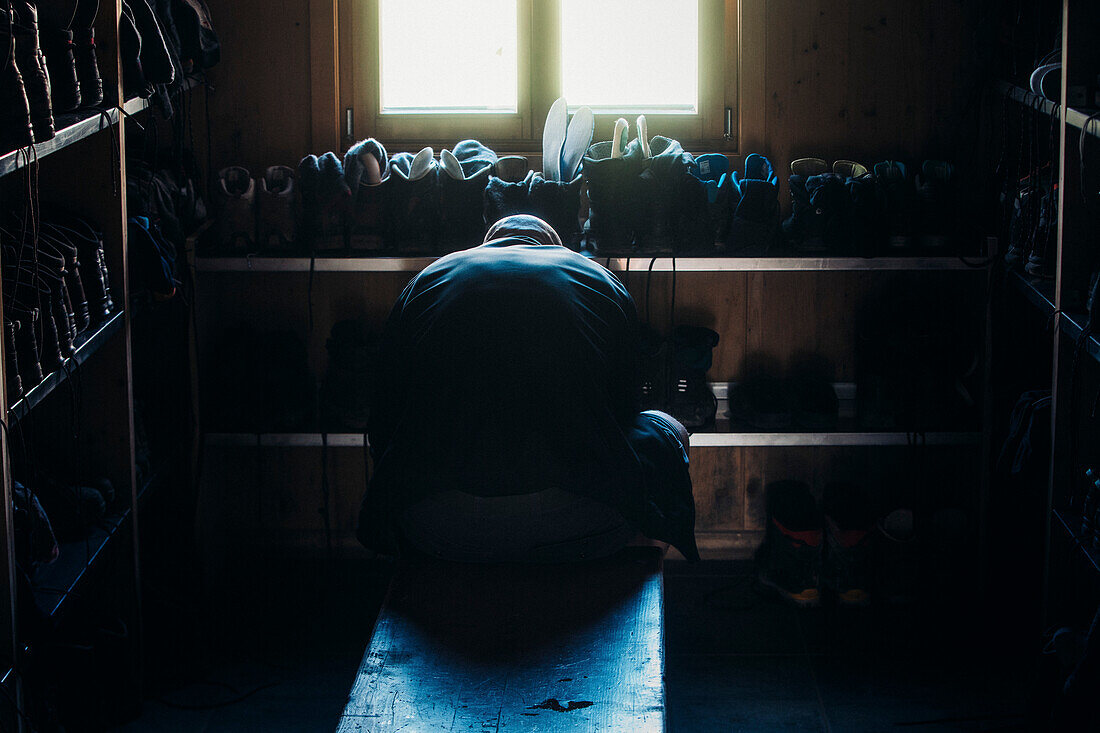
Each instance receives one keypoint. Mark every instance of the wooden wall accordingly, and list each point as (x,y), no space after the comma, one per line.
(861,80)
(858,79)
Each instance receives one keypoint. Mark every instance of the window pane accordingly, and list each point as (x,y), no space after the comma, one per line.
(448,55)
(636,56)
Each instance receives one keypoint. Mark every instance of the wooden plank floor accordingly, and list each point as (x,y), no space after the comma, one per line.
(533,648)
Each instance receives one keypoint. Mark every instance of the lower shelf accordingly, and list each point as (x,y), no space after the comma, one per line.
(700,439)
(1070,523)
(55,583)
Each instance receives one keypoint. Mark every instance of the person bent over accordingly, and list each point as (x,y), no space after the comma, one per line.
(505,424)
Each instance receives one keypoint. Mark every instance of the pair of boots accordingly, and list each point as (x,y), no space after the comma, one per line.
(739,212)
(808,551)
(674,374)
(415,202)
(256,213)
(637,192)
(52,296)
(49,66)
(847,209)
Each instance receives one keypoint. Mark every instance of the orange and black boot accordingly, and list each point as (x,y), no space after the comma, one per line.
(789,560)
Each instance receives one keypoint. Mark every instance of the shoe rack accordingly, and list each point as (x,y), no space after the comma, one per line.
(80,418)
(1047,315)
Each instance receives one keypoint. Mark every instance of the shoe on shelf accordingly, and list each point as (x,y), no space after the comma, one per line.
(660,224)
(84,53)
(463,176)
(55,31)
(16,130)
(411,196)
(936,204)
(789,560)
(611,170)
(13,382)
(235,198)
(804,228)
(94,277)
(713,207)
(275,202)
(1044,237)
(898,201)
(32,65)
(366,165)
(897,576)
(59,247)
(754,226)
(691,400)
(812,397)
(35,541)
(759,398)
(849,532)
(558,203)
(867,207)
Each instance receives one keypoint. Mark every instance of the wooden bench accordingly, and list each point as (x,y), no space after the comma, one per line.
(541,648)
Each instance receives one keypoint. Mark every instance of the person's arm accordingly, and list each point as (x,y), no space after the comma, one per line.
(391,382)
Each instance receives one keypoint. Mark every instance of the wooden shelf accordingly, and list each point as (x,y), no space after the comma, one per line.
(1071,524)
(713,439)
(1041,294)
(336,263)
(71,128)
(1074,117)
(87,344)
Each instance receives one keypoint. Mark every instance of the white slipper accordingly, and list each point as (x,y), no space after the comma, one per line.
(577,139)
(621,126)
(421,164)
(643,137)
(449,163)
(553,137)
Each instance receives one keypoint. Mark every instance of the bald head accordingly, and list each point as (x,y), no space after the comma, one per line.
(526,226)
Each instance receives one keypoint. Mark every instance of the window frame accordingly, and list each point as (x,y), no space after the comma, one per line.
(721,85)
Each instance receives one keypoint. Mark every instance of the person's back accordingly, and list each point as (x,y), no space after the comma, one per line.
(507,370)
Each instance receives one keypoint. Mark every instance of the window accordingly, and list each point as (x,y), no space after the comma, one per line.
(432,72)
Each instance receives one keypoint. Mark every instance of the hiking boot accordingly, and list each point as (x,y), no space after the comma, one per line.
(789,560)
(16,130)
(658,223)
(1043,237)
(936,204)
(847,569)
(25,321)
(57,42)
(81,314)
(715,185)
(611,173)
(32,65)
(366,164)
(897,577)
(1021,229)
(156,61)
(235,194)
(691,400)
(558,203)
(13,382)
(84,54)
(92,262)
(411,195)
(759,399)
(805,227)
(653,367)
(462,183)
(345,394)
(899,206)
(867,206)
(811,395)
(134,83)
(275,207)
(754,226)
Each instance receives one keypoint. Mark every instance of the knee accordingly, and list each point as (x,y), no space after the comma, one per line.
(677,427)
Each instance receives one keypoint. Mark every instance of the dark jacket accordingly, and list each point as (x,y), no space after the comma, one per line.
(506,369)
